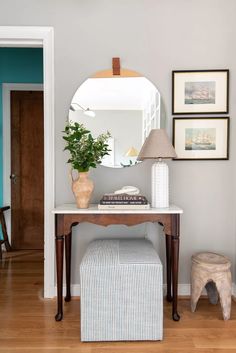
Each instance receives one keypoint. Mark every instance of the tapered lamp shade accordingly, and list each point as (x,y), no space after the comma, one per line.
(158,146)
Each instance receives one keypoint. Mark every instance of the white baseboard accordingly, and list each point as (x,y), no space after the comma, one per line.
(75,290)
(183,290)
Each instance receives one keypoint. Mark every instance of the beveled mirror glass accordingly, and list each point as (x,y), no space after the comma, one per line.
(128,106)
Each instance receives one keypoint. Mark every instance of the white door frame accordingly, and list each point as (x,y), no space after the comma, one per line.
(11,36)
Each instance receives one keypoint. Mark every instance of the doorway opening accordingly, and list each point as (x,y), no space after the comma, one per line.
(23,132)
(40,37)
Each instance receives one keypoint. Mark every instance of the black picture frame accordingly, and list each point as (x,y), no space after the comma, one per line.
(176,100)
(207,123)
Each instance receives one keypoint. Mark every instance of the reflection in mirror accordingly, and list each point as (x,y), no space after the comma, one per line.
(127,107)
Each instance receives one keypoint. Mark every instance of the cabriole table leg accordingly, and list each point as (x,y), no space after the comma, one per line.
(168,267)
(59,261)
(175,261)
(68,266)
(175,264)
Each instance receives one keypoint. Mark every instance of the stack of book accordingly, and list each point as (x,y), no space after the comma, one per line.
(124,202)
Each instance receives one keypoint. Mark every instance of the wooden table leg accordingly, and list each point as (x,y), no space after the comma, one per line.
(68,266)
(168,267)
(59,262)
(175,264)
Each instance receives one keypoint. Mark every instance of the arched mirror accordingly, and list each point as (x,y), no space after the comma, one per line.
(128,106)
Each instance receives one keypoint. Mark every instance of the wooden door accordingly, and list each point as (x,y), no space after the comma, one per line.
(27,170)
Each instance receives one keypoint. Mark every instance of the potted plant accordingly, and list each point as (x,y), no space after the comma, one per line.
(85,153)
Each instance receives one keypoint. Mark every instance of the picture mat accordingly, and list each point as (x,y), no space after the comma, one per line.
(220,79)
(220,125)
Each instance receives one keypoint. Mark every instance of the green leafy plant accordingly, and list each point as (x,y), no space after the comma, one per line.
(85,150)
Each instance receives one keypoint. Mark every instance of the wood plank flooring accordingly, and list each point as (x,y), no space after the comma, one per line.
(27,320)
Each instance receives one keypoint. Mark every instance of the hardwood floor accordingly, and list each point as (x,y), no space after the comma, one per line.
(28,325)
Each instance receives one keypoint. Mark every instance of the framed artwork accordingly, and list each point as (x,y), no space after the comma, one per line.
(201,138)
(200,92)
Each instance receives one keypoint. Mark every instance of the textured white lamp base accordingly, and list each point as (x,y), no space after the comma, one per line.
(160,185)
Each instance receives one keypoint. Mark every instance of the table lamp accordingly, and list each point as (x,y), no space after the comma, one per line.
(158,146)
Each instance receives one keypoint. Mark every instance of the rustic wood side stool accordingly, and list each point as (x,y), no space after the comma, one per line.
(5,239)
(212,271)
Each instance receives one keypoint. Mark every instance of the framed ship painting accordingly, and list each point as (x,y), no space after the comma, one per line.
(200,92)
(201,138)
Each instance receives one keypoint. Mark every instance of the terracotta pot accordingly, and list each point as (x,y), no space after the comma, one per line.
(82,188)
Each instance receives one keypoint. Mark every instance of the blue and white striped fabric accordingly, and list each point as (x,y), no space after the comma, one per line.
(121,291)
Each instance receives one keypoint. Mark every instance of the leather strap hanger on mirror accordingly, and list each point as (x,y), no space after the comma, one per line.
(116,66)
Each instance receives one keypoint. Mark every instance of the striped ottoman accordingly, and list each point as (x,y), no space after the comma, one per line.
(121,291)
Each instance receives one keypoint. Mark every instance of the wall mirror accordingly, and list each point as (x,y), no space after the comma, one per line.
(128,106)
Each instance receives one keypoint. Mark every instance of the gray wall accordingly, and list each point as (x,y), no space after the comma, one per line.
(152,37)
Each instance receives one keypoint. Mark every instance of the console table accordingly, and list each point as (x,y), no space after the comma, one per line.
(68,216)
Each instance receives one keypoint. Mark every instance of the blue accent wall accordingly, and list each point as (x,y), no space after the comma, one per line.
(18,65)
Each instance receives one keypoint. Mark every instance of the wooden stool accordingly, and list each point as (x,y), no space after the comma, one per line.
(5,239)
(213,272)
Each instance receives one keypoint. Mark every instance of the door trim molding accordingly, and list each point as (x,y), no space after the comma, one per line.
(6,140)
(14,36)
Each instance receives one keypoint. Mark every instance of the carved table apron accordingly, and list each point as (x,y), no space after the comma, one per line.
(68,216)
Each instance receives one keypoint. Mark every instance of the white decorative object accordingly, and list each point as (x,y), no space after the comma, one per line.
(157,146)
(160,185)
(121,291)
(130,190)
